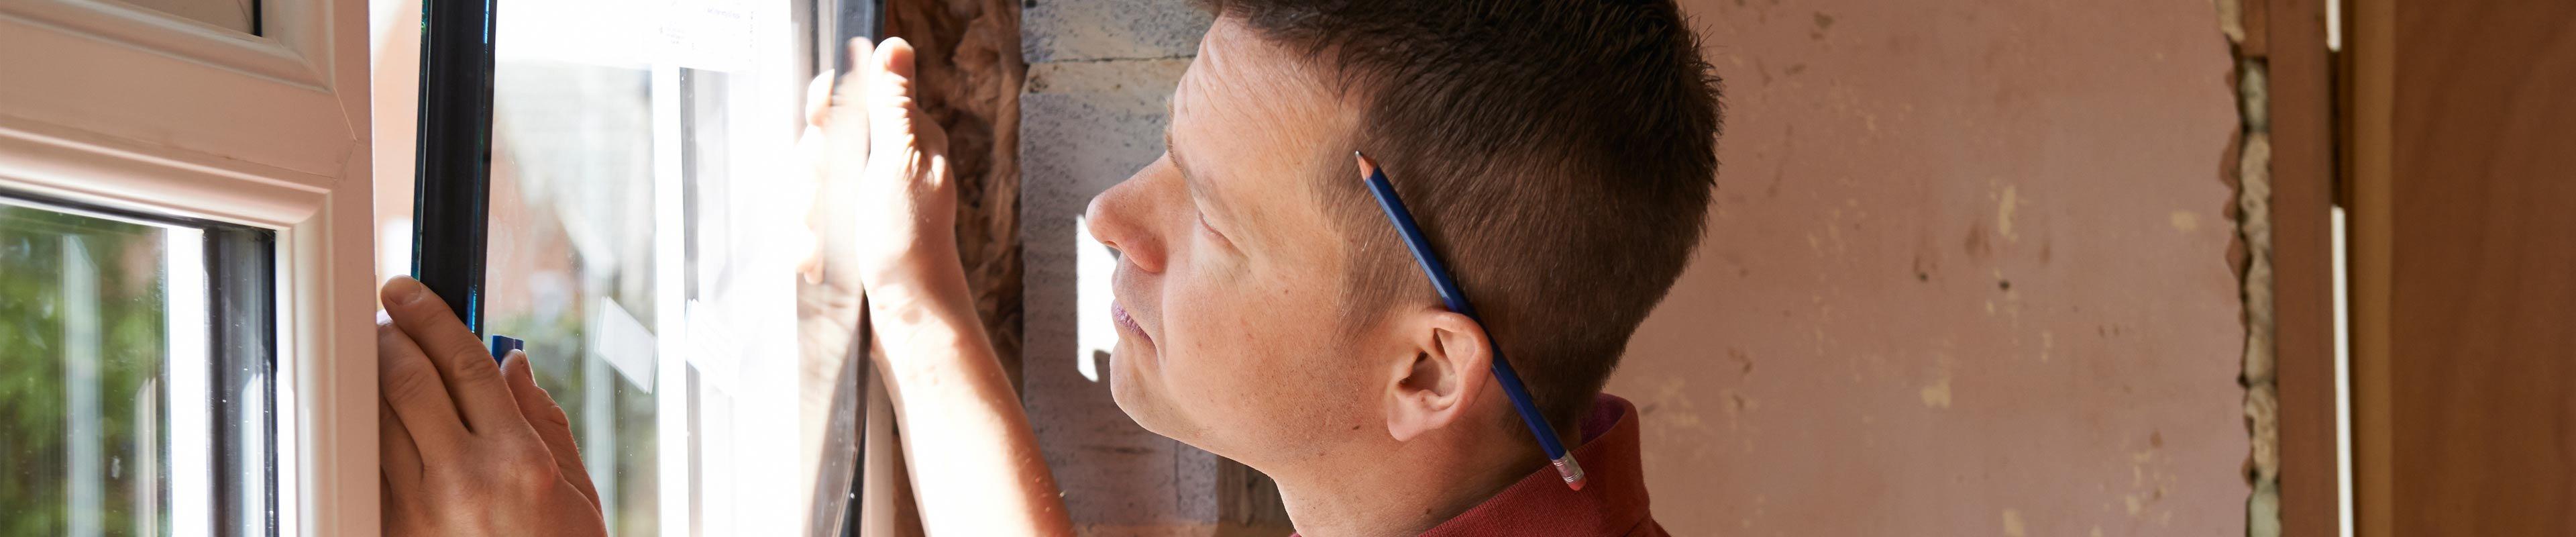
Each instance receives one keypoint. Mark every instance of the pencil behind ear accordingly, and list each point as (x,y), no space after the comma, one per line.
(1439,386)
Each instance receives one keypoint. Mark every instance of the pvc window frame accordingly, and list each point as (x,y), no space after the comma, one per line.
(133,111)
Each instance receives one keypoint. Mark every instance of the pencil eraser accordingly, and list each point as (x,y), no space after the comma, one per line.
(502,345)
(1573,473)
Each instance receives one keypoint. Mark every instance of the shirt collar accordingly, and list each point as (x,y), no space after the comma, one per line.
(1612,502)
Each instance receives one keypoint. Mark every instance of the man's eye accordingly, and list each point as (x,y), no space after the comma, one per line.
(1210,228)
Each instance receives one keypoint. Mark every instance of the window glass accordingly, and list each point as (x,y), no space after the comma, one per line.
(638,175)
(135,389)
(571,260)
(84,314)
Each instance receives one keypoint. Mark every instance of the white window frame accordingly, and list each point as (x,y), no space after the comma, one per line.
(128,108)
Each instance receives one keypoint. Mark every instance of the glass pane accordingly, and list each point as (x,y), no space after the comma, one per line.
(640,192)
(236,15)
(571,265)
(86,330)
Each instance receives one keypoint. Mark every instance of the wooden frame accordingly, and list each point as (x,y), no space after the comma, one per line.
(2289,36)
(2461,247)
(2368,95)
(133,109)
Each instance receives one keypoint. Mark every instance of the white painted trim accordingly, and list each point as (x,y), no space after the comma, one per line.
(327,291)
(184,38)
(72,163)
(121,73)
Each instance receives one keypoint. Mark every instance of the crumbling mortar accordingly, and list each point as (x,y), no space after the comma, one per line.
(2254,232)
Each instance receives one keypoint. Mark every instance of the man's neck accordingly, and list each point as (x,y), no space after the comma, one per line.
(1400,488)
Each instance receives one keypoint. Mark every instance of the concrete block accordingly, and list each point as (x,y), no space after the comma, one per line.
(1083,127)
(1092,30)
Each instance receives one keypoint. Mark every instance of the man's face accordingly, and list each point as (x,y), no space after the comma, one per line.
(1230,275)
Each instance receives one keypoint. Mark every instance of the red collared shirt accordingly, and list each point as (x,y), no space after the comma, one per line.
(1611,504)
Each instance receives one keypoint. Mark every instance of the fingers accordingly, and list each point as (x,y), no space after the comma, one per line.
(391,510)
(410,387)
(890,98)
(460,357)
(548,418)
(848,105)
(894,58)
(397,458)
(860,51)
(818,97)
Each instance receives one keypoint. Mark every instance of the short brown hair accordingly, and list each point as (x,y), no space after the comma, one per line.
(1560,155)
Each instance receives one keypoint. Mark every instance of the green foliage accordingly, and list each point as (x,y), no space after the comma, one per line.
(34,414)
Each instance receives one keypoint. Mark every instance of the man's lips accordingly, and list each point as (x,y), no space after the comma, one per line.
(1118,314)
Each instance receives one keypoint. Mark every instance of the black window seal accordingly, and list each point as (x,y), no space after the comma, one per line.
(452,175)
(838,504)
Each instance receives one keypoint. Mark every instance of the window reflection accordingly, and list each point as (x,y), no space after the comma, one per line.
(644,208)
(570,267)
(84,332)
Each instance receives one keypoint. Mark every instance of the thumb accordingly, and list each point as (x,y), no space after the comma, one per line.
(894,111)
(549,421)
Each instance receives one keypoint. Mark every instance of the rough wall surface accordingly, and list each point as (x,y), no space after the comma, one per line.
(1967,274)
(1093,112)
(968,79)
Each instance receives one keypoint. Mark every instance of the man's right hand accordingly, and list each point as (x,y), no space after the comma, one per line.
(884,213)
(884,218)
(467,448)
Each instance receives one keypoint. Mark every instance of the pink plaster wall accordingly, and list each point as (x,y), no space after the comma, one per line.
(1967,274)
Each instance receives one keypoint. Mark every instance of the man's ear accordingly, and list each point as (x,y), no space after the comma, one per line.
(1439,384)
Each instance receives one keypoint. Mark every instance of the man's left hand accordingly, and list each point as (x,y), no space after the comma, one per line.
(468,448)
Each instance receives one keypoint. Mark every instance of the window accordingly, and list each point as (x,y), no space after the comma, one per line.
(643,213)
(138,376)
(183,206)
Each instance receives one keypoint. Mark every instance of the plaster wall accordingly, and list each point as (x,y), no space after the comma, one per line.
(1967,274)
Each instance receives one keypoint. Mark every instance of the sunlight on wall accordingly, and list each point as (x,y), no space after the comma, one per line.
(1093,265)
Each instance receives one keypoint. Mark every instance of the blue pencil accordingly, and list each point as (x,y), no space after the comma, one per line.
(1457,300)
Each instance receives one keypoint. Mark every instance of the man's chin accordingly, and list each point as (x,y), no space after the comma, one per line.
(1140,400)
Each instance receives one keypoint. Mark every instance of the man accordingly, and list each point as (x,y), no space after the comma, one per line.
(1558,153)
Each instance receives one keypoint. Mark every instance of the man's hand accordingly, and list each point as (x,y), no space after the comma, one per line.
(884,212)
(884,217)
(468,448)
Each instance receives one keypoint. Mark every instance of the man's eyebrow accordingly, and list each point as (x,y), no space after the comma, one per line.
(1189,178)
(1174,151)
(1197,186)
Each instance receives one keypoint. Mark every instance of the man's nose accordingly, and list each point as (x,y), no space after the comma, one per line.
(1114,219)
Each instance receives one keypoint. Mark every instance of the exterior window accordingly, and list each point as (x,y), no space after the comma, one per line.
(136,374)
